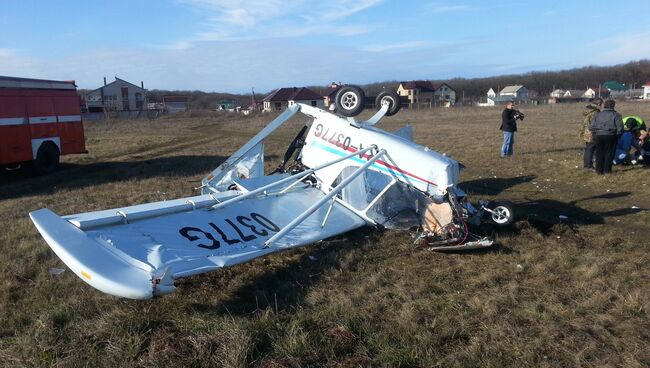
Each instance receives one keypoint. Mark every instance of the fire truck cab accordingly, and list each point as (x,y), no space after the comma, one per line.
(39,121)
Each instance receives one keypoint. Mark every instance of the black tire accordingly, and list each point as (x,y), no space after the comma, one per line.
(47,159)
(393,100)
(503,213)
(350,101)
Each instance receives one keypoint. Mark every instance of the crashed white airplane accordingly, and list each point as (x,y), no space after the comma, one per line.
(345,175)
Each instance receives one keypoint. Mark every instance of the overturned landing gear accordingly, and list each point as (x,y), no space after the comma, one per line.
(350,101)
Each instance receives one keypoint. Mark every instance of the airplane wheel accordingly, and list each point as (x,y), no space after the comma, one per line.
(350,101)
(47,159)
(392,98)
(503,213)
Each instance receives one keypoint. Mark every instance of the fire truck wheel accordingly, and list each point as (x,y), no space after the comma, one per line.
(47,158)
(393,102)
(350,101)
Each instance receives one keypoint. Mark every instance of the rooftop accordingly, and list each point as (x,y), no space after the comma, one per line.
(292,93)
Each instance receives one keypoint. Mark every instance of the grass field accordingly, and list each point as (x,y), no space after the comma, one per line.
(554,293)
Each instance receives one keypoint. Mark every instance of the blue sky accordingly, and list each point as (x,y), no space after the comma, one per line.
(231,46)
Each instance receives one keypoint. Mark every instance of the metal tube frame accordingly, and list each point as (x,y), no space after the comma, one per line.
(300,176)
(295,222)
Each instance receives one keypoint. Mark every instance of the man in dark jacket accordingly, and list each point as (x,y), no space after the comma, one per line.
(509,127)
(607,125)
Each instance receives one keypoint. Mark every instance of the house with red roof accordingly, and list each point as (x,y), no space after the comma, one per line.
(425,93)
(282,98)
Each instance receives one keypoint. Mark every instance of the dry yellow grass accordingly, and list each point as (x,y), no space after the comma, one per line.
(572,293)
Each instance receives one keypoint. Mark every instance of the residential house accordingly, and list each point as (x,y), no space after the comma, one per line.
(494,99)
(491,98)
(445,94)
(330,93)
(417,92)
(574,93)
(425,92)
(282,98)
(515,93)
(118,95)
(596,92)
(557,93)
(646,91)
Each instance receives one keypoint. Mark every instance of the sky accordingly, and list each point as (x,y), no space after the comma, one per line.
(234,46)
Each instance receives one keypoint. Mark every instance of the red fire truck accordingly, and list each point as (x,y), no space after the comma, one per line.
(39,121)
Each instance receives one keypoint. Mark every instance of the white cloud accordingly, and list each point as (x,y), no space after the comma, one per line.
(235,66)
(231,20)
(622,48)
(409,45)
(438,7)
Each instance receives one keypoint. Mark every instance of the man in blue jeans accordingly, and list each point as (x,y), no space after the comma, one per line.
(509,127)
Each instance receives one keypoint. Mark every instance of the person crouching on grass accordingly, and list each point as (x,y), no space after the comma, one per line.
(607,126)
(509,118)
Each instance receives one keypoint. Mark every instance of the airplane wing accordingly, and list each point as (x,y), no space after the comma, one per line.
(136,252)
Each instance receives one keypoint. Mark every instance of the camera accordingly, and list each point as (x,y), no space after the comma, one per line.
(518,115)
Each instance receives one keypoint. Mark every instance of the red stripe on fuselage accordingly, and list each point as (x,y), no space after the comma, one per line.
(367,156)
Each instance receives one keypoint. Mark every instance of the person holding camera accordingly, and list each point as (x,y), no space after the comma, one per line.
(509,118)
(607,126)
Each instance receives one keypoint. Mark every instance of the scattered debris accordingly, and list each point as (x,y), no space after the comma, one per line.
(56,271)
(562,217)
(312,258)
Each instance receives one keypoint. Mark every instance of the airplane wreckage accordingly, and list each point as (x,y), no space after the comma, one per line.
(345,175)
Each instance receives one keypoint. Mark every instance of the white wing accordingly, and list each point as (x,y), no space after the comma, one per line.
(136,252)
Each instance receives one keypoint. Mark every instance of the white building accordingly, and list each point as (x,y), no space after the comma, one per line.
(646,91)
(575,93)
(118,95)
(558,93)
(516,93)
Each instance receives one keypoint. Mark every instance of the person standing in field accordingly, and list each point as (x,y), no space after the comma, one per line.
(509,127)
(586,135)
(607,126)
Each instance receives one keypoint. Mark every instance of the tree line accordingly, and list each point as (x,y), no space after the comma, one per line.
(632,74)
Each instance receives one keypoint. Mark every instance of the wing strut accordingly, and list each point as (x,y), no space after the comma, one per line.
(295,222)
(299,176)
